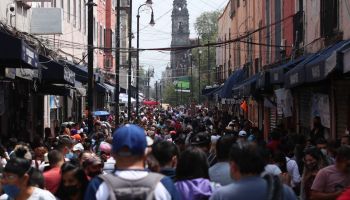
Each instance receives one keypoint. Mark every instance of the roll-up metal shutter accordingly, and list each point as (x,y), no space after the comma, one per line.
(342,100)
(305,96)
(273,118)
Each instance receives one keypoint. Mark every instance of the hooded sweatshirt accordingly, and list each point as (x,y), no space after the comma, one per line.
(195,189)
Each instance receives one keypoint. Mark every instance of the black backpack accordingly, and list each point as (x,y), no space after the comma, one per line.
(139,189)
(274,187)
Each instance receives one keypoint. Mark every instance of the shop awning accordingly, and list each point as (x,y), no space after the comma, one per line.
(56,73)
(297,75)
(101,88)
(345,60)
(277,73)
(109,87)
(319,68)
(237,77)
(16,53)
(209,91)
(247,87)
(57,90)
(81,71)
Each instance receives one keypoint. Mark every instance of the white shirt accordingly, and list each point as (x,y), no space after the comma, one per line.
(293,171)
(272,169)
(38,194)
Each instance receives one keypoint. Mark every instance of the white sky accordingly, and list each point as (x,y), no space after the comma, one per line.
(160,34)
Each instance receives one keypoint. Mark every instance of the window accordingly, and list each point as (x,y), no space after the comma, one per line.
(79,8)
(329,17)
(94,29)
(68,10)
(104,37)
(62,6)
(85,21)
(54,3)
(74,13)
(101,36)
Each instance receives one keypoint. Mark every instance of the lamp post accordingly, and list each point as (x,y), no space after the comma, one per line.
(199,75)
(152,23)
(191,81)
(117,65)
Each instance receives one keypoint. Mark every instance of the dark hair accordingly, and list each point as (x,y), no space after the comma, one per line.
(18,166)
(164,151)
(280,158)
(64,141)
(192,164)
(247,158)
(54,157)
(343,153)
(36,178)
(79,174)
(200,139)
(223,146)
(314,152)
(320,141)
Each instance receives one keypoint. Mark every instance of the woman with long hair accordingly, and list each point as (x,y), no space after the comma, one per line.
(73,182)
(313,162)
(192,176)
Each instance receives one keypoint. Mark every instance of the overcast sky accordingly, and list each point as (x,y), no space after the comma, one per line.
(160,34)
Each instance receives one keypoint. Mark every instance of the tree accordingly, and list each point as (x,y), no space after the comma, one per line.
(206,25)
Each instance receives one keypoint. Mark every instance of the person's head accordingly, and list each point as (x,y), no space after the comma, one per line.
(313,159)
(343,159)
(129,146)
(279,158)
(317,122)
(36,178)
(65,145)
(321,144)
(201,140)
(16,176)
(166,153)
(223,146)
(192,164)
(73,181)
(345,140)
(242,135)
(245,160)
(56,158)
(93,166)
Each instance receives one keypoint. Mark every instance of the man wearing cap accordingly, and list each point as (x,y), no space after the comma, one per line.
(130,180)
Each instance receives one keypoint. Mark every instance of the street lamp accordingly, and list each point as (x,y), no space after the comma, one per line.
(152,23)
(199,75)
(191,83)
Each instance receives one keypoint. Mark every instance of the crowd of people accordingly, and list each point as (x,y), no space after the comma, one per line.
(173,154)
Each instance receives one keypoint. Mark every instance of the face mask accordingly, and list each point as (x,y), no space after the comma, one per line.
(311,166)
(70,155)
(324,151)
(11,190)
(70,190)
(93,174)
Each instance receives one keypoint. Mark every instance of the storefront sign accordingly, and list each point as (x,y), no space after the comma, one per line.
(275,76)
(316,72)
(69,75)
(294,79)
(346,61)
(231,101)
(28,74)
(29,55)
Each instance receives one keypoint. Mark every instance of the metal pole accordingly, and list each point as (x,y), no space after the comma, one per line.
(191,79)
(181,94)
(117,65)
(149,86)
(208,64)
(90,106)
(156,91)
(129,60)
(160,94)
(138,65)
(199,77)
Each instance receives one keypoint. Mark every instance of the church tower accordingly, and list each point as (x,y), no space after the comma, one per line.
(180,37)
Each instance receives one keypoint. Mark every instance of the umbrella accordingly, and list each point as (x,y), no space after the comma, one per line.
(100,113)
(150,103)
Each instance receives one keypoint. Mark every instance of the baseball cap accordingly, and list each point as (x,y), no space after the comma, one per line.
(78,147)
(131,136)
(242,134)
(92,160)
(105,147)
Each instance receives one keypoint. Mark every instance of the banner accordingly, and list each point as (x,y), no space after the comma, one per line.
(284,102)
(182,84)
(320,108)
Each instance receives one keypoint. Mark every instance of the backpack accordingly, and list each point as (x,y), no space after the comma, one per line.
(274,187)
(139,189)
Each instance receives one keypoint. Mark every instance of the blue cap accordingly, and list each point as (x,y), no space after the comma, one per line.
(131,136)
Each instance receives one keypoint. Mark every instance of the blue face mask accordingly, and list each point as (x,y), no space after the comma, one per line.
(70,155)
(11,190)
